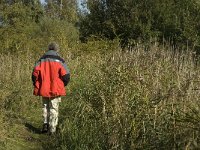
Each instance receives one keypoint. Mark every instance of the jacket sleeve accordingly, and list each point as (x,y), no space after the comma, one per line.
(65,74)
(66,79)
(35,75)
(34,79)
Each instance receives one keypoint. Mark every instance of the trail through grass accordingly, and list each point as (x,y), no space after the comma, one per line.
(21,112)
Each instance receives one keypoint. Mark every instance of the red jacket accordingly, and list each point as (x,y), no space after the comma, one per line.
(50,75)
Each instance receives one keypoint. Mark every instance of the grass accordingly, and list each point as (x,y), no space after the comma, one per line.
(138,99)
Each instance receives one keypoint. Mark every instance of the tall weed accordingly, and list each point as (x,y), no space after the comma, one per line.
(139,99)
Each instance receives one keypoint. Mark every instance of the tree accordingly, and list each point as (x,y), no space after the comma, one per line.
(177,21)
(63,9)
(19,21)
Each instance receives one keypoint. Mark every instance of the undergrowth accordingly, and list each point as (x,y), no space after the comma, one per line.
(138,99)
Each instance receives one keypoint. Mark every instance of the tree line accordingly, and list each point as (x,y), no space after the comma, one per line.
(176,21)
(23,22)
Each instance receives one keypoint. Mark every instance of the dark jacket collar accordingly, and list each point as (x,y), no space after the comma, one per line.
(52,52)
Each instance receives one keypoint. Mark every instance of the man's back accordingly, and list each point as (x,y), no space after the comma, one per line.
(50,74)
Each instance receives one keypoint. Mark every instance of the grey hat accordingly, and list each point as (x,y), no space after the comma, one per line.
(53,46)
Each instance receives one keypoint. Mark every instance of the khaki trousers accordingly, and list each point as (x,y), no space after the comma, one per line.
(50,112)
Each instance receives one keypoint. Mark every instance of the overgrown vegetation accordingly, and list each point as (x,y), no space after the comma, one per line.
(135,79)
(118,100)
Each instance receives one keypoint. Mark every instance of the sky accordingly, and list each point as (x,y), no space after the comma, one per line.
(79,3)
(43,1)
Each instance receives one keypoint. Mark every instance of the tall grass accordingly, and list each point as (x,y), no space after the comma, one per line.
(139,99)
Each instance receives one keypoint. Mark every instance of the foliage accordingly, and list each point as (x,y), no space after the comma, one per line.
(145,97)
(116,100)
(62,9)
(122,102)
(26,25)
(177,22)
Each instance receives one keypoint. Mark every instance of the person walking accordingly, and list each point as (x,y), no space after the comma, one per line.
(50,76)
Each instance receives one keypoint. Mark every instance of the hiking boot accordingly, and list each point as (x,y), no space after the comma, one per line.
(45,128)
